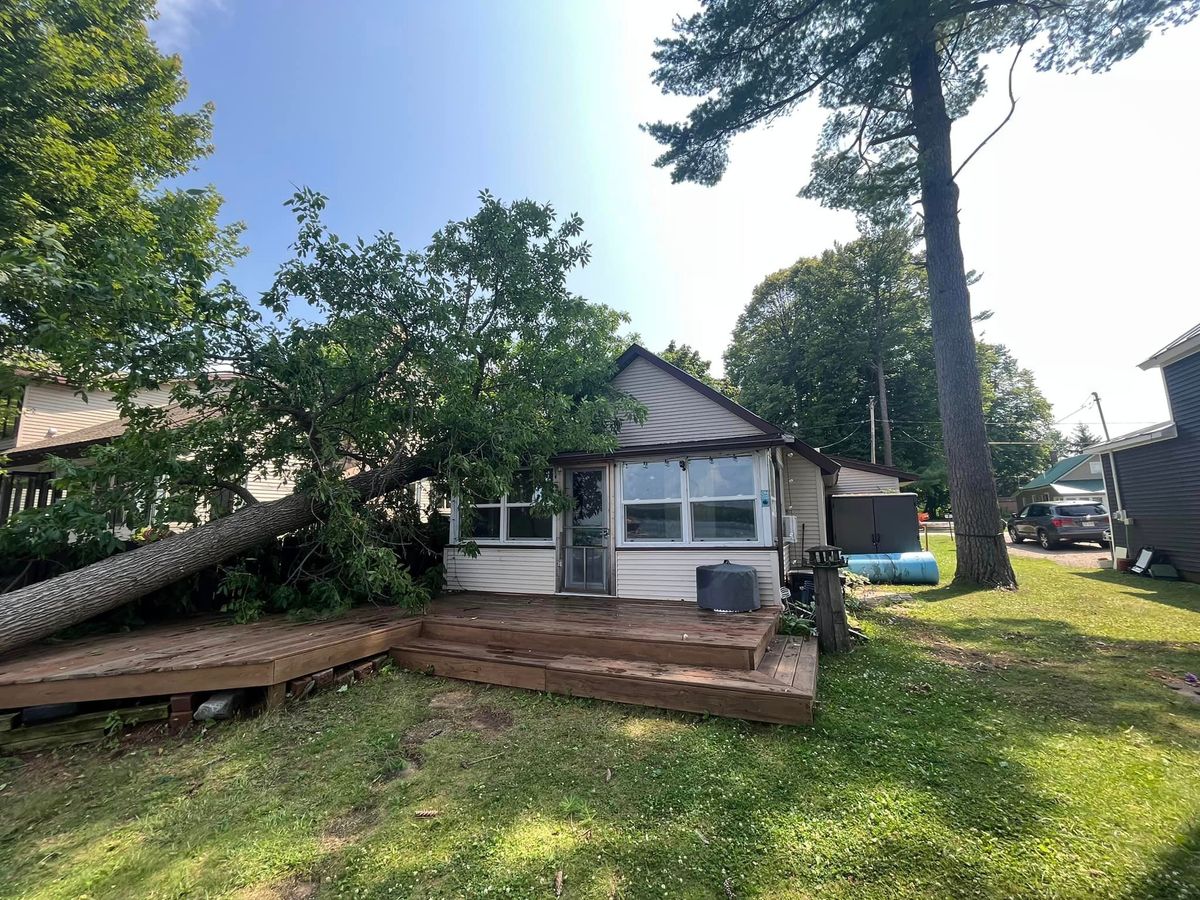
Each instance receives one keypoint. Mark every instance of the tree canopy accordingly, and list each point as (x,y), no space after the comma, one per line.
(689,359)
(804,354)
(99,256)
(894,75)
(463,363)
(752,62)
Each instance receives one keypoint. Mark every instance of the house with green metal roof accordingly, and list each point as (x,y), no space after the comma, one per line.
(1079,477)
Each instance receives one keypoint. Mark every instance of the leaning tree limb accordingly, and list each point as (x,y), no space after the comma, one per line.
(41,609)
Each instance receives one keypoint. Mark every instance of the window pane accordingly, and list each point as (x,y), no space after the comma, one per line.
(723,520)
(522,524)
(523,486)
(587,490)
(653,522)
(652,481)
(486,525)
(724,477)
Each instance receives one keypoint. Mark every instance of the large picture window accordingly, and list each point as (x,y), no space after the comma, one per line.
(722,499)
(693,501)
(510,518)
(652,493)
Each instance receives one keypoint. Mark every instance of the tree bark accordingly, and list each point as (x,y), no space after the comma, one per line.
(981,552)
(881,386)
(41,609)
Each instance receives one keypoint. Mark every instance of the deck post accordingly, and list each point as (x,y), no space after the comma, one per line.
(276,694)
(833,629)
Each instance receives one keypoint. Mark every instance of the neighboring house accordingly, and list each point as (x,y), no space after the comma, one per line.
(701,481)
(1074,478)
(1152,476)
(56,420)
(860,477)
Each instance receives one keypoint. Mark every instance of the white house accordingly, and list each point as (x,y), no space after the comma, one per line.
(703,480)
(55,419)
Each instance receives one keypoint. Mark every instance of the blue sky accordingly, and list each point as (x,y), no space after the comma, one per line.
(1080,214)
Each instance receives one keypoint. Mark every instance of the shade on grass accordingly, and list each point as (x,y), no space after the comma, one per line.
(983,744)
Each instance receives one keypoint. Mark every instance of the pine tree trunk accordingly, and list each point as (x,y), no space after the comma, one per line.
(884,420)
(981,552)
(41,609)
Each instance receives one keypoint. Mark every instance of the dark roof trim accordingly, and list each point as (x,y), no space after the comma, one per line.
(636,351)
(851,463)
(639,352)
(69,445)
(733,443)
(826,464)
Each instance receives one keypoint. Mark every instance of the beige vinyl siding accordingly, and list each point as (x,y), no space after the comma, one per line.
(675,413)
(1085,471)
(56,406)
(502,570)
(859,481)
(268,486)
(671,574)
(804,498)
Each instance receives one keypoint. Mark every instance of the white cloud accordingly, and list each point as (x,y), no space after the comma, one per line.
(173,28)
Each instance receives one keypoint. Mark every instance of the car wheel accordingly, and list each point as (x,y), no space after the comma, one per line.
(1015,537)
(1044,539)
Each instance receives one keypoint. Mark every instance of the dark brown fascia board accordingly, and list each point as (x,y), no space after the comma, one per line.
(20,457)
(733,443)
(850,463)
(826,464)
(636,351)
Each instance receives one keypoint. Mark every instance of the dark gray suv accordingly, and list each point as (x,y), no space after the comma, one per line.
(1051,524)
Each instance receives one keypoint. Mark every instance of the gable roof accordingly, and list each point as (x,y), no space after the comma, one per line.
(636,351)
(1184,345)
(1056,471)
(851,463)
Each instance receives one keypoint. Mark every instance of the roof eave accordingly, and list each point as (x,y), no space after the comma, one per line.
(1163,432)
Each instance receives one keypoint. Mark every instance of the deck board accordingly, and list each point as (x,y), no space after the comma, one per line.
(202,655)
(649,652)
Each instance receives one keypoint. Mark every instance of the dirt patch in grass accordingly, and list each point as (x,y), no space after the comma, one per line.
(491,721)
(292,889)
(345,829)
(427,731)
(452,701)
(1186,689)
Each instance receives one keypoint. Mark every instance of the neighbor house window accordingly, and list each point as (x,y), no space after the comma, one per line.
(510,517)
(691,501)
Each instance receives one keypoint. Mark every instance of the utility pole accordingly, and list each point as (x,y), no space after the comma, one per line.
(872,429)
(1100,409)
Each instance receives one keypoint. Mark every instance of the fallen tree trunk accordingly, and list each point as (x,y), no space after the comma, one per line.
(41,609)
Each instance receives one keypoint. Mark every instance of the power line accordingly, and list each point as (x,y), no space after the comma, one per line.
(825,447)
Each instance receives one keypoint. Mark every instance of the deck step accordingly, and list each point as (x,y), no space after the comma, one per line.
(783,695)
(613,640)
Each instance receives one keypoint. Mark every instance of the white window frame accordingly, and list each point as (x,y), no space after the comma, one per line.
(504,506)
(763,518)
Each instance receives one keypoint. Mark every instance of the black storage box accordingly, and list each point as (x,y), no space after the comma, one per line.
(727,587)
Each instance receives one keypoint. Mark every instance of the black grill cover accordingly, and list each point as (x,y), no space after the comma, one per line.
(727,587)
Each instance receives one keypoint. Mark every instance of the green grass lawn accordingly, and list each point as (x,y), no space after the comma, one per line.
(982,744)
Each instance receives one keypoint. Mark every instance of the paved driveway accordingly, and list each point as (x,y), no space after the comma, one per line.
(1077,556)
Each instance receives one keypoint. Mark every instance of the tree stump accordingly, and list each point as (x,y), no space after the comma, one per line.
(833,629)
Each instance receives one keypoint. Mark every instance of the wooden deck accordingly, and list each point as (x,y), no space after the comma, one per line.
(648,652)
(201,655)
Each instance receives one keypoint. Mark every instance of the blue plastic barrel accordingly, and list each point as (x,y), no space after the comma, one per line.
(895,568)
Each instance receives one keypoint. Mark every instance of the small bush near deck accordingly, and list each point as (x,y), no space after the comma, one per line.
(983,744)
